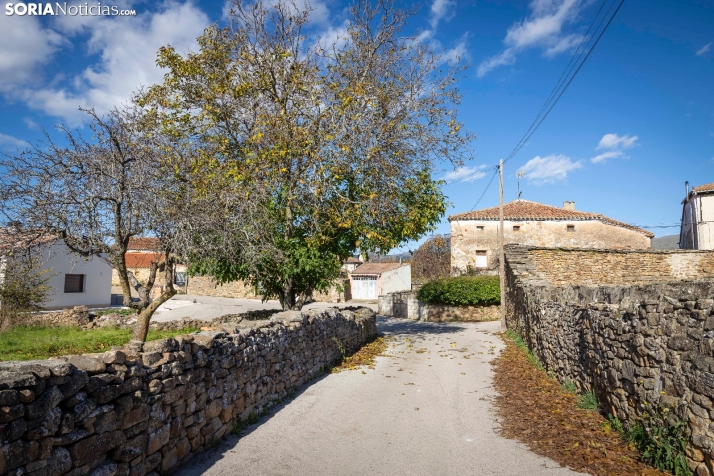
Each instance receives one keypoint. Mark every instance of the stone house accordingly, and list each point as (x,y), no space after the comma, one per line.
(371,280)
(142,251)
(697,225)
(474,235)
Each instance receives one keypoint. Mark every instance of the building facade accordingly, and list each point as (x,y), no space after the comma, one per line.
(371,280)
(697,225)
(474,235)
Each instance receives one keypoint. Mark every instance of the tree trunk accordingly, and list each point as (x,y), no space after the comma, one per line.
(141,330)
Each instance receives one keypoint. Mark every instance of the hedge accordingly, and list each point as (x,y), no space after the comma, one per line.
(462,291)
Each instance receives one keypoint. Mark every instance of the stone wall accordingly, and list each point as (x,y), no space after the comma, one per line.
(642,333)
(136,412)
(405,305)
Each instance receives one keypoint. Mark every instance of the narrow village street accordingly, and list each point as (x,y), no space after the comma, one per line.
(425,409)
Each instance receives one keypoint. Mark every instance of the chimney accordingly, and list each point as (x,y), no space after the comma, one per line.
(568,205)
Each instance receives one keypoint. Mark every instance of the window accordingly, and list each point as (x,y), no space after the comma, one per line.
(479,228)
(571,227)
(180,279)
(516,228)
(481,259)
(74,283)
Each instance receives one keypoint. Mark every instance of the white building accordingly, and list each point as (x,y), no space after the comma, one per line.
(697,225)
(74,281)
(371,280)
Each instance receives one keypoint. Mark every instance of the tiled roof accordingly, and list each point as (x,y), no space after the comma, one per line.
(353,260)
(704,188)
(524,210)
(11,240)
(371,269)
(142,260)
(143,244)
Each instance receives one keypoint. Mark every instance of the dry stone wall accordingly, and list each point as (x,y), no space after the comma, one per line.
(137,411)
(632,344)
(406,305)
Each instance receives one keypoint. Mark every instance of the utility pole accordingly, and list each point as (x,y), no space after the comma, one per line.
(502,258)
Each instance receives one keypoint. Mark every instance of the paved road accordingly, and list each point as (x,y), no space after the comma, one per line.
(208,308)
(424,410)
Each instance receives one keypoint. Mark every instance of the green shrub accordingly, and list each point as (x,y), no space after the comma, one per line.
(661,436)
(462,291)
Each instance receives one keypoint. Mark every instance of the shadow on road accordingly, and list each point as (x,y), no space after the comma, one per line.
(392,326)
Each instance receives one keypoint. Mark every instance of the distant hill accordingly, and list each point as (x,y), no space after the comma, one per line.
(669,242)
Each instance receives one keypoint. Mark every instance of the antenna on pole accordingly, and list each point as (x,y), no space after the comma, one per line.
(519,175)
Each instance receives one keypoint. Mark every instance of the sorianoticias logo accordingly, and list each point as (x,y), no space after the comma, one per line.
(57,8)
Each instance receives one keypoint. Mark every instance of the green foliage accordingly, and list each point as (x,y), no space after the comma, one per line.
(24,286)
(522,345)
(569,386)
(661,436)
(588,401)
(462,291)
(29,343)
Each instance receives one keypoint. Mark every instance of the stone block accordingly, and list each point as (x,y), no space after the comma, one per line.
(157,439)
(94,447)
(137,415)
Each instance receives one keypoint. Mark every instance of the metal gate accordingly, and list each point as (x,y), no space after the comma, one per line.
(364,287)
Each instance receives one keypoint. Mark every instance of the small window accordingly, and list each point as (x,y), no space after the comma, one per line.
(516,228)
(74,283)
(481,259)
(571,227)
(180,279)
(479,228)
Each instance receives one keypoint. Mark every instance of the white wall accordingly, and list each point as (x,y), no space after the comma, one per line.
(399,279)
(97,279)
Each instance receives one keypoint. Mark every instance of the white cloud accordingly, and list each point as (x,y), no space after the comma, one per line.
(704,49)
(30,123)
(465,174)
(613,154)
(127,49)
(542,29)
(442,10)
(550,168)
(26,46)
(614,145)
(458,52)
(10,142)
(613,141)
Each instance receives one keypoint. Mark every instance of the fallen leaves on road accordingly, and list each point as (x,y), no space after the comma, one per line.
(536,410)
(366,355)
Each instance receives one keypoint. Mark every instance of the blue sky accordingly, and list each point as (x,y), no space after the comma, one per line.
(634,125)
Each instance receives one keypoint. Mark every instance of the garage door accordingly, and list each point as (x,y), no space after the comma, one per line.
(364,287)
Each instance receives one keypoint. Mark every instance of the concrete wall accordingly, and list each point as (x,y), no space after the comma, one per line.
(466,239)
(399,279)
(405,305)
(130,413)
(97,279)
(630,338)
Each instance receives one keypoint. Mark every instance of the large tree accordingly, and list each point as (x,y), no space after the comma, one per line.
(98,192)
(311,149)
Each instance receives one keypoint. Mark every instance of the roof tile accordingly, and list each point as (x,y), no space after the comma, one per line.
(372,269)
(525,210)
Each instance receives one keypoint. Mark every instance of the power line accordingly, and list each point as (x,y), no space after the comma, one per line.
(529,133)
(485,189)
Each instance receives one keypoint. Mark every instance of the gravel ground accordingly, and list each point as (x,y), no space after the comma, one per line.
(425,409)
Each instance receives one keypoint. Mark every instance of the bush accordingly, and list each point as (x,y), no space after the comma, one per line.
(462,291)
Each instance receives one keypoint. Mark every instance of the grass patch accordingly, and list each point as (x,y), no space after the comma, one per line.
(462,291)
(588,401)
(30,343)
(520,343)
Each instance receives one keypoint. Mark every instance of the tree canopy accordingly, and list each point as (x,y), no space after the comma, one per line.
(310,150)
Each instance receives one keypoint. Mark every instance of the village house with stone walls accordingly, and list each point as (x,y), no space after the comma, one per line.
(697,225)
(143,251)
(474,235)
